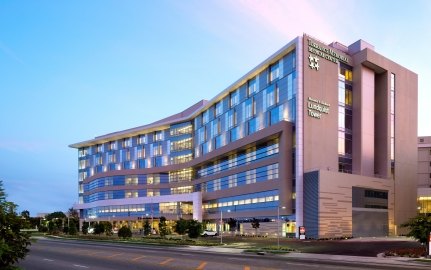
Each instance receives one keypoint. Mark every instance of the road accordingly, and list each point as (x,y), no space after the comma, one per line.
(69,254)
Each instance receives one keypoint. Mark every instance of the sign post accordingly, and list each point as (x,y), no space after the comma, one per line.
(301,232)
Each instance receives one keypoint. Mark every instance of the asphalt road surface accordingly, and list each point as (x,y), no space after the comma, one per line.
(80,255)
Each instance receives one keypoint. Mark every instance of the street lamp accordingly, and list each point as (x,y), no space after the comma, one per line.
(278,225)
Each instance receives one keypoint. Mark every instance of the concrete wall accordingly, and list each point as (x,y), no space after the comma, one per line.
(335,215)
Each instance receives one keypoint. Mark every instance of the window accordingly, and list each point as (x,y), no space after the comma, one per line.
(252,126)
(158,135)
(272,96)
(250,106)
(142,139)
(127,142)
(205,117)
(232,118)
(234,98)
(112,145)
(251,89)
(99,148)
(141,153)
(234,134)
(219,108)
(157,150)
(274,72)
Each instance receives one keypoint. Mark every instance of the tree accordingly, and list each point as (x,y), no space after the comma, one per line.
(56,222)
(163,227)
(13,242)
(232,224)
(147,227)
(181,226)
(255,224)
(99,228)
(85,227)
(194,228)
(25,214)
(420,228)
(124,232)
(73,219)
(108,227)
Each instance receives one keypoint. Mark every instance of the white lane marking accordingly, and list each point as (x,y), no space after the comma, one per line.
(49,260)
(81,266)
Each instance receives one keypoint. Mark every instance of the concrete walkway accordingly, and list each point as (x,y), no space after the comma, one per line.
(399,261)
(380,260)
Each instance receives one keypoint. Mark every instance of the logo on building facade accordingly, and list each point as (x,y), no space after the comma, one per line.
(314,62)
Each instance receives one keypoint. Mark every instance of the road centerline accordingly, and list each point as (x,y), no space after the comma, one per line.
(201,266)
(166,261)
(139,257)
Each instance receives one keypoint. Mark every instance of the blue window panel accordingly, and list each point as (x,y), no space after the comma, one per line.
(118,194)
(165,191)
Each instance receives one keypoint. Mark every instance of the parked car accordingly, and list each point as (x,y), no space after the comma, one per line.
(209,233)
(90,230)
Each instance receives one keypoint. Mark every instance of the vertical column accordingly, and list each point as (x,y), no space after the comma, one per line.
(197,206)
(299,133)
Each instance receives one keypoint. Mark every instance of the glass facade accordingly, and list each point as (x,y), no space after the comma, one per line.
(345,118)
(263,100)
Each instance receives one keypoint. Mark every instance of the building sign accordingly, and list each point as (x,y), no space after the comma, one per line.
(317,107)
(325,52)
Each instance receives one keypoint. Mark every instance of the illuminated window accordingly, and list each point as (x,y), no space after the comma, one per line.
(157,150)
(131,180)
(274,72)
(142,139)
(158,135)
(131,194)
(234,98)
(219,108)
(127,142)
(251,89)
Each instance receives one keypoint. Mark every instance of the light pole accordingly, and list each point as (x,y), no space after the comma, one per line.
(221,226)
(278,225)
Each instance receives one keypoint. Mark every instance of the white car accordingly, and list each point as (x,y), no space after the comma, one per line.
(90,230)
(209,233)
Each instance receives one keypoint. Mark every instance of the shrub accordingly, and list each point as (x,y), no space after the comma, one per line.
(195,228)
(124,232)
(13,242)
(147,227)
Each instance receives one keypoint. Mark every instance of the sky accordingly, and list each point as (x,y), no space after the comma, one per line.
(73,70)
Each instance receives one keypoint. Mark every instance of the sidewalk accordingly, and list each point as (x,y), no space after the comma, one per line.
(395,261)
(400,261)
